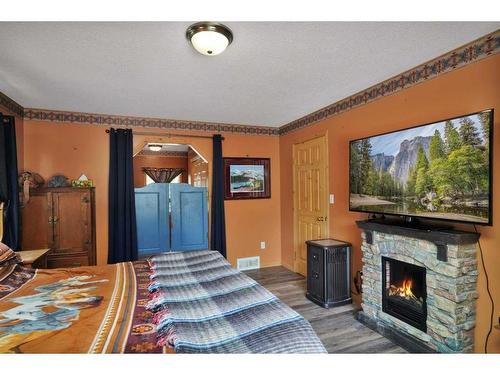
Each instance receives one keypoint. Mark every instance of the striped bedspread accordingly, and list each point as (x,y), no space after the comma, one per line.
(203,305)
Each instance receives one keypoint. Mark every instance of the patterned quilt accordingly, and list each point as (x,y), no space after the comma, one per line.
(99,309)
(203,305)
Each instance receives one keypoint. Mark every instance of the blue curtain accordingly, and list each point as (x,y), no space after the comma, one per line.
(9,193)
(122,242)
(218,221)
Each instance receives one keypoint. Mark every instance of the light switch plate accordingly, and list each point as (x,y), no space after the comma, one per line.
(332,198)
(262,245)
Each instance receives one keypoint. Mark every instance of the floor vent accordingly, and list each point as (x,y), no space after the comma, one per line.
(250,263)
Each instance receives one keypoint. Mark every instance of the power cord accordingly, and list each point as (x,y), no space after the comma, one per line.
(489,294)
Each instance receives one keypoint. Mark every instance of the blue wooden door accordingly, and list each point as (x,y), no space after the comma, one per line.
(152,217)
(189,217)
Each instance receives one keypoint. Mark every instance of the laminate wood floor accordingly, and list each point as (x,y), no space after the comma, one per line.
(336,327)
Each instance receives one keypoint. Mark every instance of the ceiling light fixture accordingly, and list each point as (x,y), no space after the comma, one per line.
(209,38)
(155,147)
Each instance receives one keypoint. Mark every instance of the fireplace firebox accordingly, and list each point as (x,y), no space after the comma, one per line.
(404,292)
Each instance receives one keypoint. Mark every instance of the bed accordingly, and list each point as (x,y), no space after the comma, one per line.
(189,302)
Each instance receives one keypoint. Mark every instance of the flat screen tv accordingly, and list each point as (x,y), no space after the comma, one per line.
(441,170)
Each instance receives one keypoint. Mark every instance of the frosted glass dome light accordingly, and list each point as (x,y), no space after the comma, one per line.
(209,38)
(155,147)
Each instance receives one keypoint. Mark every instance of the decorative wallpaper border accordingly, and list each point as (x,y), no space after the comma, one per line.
(146,122)
(11,105)
(474,51)
(167,154)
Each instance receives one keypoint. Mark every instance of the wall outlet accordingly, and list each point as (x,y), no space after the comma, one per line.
(332,198)
(262,245)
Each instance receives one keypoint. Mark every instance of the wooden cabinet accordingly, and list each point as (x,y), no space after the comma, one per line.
(329,272)
(62,219)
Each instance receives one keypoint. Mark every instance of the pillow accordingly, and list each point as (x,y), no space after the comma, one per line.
(7,255)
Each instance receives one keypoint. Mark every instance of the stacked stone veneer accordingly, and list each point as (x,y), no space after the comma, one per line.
(451,289)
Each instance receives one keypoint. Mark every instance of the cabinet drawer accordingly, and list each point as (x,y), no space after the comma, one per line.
(69,251)
(315,274)
(315,284)
(315,257)
(67,262)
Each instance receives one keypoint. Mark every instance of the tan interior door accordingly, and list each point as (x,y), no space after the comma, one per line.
(310,192)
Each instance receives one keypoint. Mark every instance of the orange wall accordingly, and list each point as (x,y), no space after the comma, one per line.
(73,149)
(141,161)
(470,89)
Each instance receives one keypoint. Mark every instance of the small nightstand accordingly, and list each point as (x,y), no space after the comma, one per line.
(329,272)
(28,257)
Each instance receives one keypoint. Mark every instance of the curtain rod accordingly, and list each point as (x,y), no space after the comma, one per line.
(169,135)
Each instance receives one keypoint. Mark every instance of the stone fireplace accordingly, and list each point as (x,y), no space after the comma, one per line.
(419,286)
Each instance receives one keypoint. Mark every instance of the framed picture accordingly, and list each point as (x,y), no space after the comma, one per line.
(247,178)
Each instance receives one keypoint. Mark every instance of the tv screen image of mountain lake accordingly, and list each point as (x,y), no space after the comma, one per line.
(440,170)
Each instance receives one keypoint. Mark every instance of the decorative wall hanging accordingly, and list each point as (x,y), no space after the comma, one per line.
(29,180)
(163,175)
(247,178)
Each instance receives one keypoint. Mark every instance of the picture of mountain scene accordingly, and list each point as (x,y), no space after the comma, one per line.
(246,178)
(439,170)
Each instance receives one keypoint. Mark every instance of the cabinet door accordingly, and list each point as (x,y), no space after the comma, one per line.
(37,229)
(72,222)
(315,274)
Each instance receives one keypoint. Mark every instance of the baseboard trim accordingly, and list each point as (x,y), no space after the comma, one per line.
(288,267)
(272,264)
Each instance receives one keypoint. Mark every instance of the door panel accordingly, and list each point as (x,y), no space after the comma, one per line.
(37,223)
(189,225)
(310,197)
(151,210)
(71,222)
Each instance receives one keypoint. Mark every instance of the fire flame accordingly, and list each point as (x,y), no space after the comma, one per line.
(404,290)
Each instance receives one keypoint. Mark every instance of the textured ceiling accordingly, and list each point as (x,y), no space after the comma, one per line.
(273,73)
